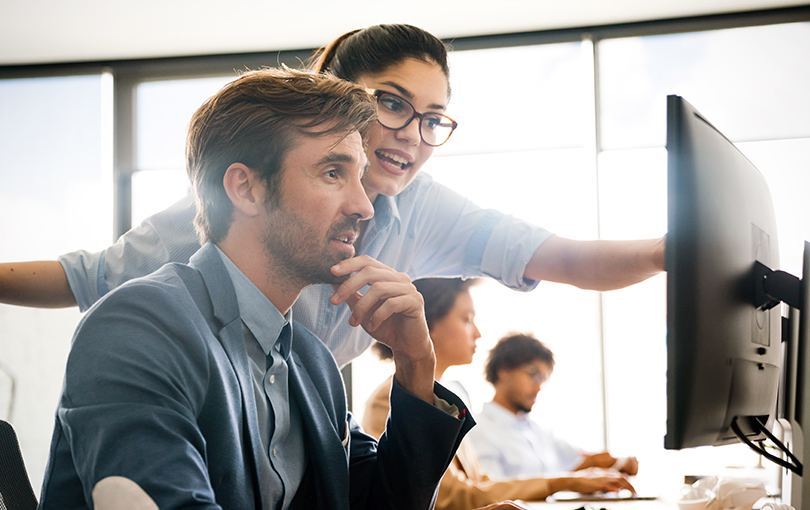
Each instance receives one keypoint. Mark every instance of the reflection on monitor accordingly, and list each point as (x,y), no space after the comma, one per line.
(724,353)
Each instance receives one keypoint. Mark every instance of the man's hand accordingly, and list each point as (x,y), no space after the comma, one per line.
(629,466)
(604,460)
(392,311)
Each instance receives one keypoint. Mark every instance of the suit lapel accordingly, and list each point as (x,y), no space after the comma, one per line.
(225,309)
(326,447)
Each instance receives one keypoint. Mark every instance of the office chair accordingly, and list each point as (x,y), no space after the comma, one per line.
(15,488)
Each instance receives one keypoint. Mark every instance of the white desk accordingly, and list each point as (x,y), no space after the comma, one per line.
(655,504)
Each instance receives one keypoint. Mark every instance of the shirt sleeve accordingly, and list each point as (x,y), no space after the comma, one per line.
(463,486)
(569,455)
(167,236)
(456,237)
(84,272)
(490,456)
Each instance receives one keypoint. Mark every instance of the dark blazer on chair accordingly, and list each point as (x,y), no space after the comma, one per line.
(158,390)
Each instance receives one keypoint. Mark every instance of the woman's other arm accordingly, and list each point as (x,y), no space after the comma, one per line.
(82,277)
(40,284)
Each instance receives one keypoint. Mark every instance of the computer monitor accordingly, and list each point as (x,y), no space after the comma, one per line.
(728,361)
(723,352)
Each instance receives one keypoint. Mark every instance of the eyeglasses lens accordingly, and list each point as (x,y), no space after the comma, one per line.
(395,112)
(538,376)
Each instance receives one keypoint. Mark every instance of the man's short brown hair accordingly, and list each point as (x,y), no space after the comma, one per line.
(254,120)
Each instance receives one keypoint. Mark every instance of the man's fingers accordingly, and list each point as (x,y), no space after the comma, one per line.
(368,274)
(394,305)
(353,264)
(380,293)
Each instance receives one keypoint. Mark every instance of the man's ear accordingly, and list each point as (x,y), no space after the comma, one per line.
(245,188)
(502,374)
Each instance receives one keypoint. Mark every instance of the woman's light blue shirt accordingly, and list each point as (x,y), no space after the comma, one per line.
(428,230)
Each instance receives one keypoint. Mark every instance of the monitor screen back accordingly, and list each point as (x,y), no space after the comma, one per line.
(723,353)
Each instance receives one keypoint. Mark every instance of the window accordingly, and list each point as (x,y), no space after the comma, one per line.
(164,109)
(750,83)
(55,197)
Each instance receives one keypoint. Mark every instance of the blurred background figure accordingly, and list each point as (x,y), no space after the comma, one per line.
(450,316)
(508,442)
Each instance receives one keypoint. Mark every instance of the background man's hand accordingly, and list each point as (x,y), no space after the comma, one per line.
(629,466)
(604,460)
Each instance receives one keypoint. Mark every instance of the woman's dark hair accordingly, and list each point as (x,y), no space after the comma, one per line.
(440,296)
(513,351)
(372,50)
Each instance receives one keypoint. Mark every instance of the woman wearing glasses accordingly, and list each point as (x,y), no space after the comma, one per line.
(419,227)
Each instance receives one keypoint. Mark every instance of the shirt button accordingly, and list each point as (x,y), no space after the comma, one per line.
(274,452)
(272,378)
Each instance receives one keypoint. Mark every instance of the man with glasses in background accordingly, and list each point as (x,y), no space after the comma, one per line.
(508,442)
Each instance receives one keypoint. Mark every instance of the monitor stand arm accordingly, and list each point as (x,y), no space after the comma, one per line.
(772,287)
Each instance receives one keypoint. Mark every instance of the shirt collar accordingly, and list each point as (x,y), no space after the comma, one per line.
(386,213)
(504,415)
(258,313)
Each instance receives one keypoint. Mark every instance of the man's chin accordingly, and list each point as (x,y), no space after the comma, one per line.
(337,280)
(328,277)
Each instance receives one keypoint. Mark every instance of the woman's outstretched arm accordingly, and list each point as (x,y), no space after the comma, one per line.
(596,265)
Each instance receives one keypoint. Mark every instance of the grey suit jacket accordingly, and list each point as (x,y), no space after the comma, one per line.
(158,390)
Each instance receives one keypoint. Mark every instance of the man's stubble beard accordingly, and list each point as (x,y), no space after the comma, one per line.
(520,406)
(290,243)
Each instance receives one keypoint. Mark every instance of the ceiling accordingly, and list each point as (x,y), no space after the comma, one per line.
(52,31)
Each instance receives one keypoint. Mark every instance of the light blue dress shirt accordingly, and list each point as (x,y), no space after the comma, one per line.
(512,446)
(268,340)
(427,230)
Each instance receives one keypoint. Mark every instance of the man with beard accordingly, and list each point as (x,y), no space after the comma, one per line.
(193,387)
(511,445)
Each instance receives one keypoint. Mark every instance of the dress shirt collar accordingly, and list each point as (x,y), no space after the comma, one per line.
(504,415)
(258,313)
(386,213)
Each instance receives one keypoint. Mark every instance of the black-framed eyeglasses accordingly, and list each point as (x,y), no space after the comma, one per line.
(395,112)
